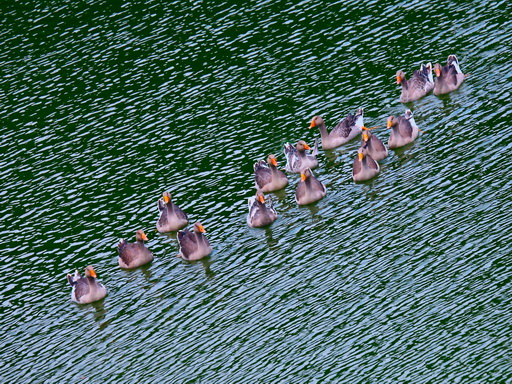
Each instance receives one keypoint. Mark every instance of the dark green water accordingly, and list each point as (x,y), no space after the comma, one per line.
(106,104)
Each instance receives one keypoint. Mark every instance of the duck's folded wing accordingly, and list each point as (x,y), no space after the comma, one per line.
(127,252)
(81,288)
(188,242)
(262,174)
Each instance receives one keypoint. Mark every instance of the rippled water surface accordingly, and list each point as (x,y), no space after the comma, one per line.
(106,104)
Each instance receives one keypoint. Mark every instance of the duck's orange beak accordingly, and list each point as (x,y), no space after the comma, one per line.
(360,156)
(398,80)
(306,146)
(261,198)
(201,229)
(166,199)
(92,273)
(144,237)
(274,162)
(365,136)
(302,177)
(438,72)
(313,124)
(390,124)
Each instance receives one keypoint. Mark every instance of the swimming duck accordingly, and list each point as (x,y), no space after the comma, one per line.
(171,217)
(364,167)
(374,146)
(309,189)
(420,84)
(449,77)
(268,178)
(403,130)
(133,255)
(194,245)
(260,215)
(297,159)
(86,289)
(346,130)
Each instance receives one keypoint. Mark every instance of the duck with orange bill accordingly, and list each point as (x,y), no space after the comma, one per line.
(133,255)
(346,130)
(172,218)
(449,77)
(364,167)
(374,146)
(86,289)
(297,159)
(260,214)
(193,244)
(309,189)
(403,130)
(268,177)
(420,84)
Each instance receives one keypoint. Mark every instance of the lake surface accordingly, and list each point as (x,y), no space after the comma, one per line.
(402,279)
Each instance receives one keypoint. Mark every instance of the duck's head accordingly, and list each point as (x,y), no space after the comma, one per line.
(271,160)
(437,69)
(400,76)
(317,121)
(166,196)
(198,227)
(392,121)
(305,174)
(140,235)
(90,272)
(361,153)
(260,197)
(302,146)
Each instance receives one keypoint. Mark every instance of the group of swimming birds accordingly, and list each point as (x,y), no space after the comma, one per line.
(268,178)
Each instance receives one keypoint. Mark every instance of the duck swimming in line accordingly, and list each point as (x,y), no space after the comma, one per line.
(419,85)
(193,244)
(309,189)
(403,130)
(346,130)
(172,218)
(260,215)
(449,77)
(374,146)
(267,177)
(364,167)
(133,255)
(86,289)
(297,159)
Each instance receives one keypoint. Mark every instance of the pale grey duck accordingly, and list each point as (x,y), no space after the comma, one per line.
(133,255)
(193,244)
(346,130)
(267,177)
(403,130)
(419,85)
(86,289)
(374,146)
(297,159)
(309,189)
(172,218)
(449,77)
(364,167)
(260,215)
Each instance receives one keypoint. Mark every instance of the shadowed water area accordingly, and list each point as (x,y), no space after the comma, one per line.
(106,104)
